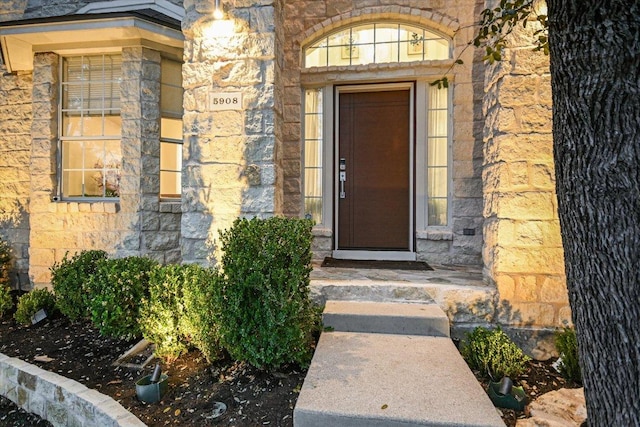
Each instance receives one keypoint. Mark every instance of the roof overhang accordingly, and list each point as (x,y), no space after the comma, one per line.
(86,34)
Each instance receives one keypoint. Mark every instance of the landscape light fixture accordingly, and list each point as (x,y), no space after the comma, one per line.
(217,10)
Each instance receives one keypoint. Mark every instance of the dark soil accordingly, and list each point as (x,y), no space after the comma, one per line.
(78,351)
(252,397)
(539,378)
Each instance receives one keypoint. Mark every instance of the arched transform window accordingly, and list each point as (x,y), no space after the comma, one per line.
(376,43)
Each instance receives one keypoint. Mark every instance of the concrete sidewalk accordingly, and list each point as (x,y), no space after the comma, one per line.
(371,379)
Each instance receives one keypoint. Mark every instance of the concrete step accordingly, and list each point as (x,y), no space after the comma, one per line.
(470,303)
(386,318)
(375,380)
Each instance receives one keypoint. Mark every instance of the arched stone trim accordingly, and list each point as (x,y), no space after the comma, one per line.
(429,19)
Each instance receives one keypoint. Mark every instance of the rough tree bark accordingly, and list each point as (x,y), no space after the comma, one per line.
(595,72)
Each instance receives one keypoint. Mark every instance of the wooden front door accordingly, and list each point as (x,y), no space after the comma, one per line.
(374,155)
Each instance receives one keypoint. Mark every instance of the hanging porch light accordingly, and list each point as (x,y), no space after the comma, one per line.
(217,10)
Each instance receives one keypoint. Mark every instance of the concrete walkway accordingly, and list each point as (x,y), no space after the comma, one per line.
(388,359)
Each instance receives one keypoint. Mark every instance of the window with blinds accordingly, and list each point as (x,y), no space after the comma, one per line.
(90,127)
(171,129)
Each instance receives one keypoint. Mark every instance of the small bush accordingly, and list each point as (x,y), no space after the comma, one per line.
(201,322)
(70,278)
(567,345)
(33,301)
(5,262)
(117,289)
(161,312)
(180,311)
(6,302)
(493,353)
(268,317)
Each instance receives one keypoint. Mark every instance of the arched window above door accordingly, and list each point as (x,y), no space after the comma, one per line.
(377,43)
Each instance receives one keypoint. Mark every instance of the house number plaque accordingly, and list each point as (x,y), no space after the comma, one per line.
(225,101)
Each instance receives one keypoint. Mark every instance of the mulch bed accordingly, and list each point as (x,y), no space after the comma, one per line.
(252,397)
(539,378)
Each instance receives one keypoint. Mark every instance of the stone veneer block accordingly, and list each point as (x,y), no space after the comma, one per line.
(62,401)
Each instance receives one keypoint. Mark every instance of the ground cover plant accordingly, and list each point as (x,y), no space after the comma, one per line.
(32,302)
(493,353)
(567,345)
(6,302)
(5,265)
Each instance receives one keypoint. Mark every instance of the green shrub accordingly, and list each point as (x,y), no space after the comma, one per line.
(160,313)
(268,317)
(33,301)
(70,278)
(180,311)
(493,353)
(6,302)
(5,262)
(117,289)
(567,345)
(201,322)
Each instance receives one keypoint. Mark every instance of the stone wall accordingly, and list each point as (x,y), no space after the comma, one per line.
(15,151)
(231,159)
(60,400)
(523,252)
(15,154)
(137,223)
(40,230)
(307,19)
(159,222)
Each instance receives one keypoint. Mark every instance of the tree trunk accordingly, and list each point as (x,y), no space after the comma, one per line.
(595,74)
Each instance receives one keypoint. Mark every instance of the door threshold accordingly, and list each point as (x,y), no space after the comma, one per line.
(374,255)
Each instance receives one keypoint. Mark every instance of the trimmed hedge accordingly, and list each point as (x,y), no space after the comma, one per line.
(70,278)
(117,289)
(180,311)
(268,317)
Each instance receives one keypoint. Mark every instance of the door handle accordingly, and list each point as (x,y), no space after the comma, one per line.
(343,179)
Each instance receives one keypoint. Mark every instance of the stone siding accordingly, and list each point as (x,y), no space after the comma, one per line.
(41,230)
(133,225)
(232,159)
(159,222)
(523,252)
(307,19)
(61,401)
(15,155)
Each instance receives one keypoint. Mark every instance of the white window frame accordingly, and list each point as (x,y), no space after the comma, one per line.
(167,140)
(62,138)
(352,46)
(422,126)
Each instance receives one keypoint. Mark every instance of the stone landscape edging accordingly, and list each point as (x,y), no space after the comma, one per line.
(59,400)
